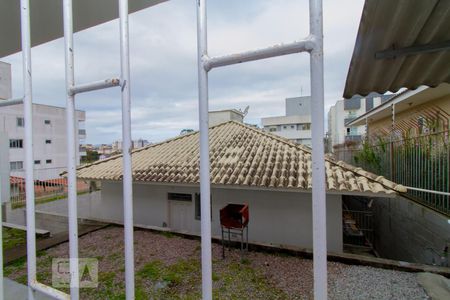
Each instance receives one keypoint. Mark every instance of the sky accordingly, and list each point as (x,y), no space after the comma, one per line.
(163,47)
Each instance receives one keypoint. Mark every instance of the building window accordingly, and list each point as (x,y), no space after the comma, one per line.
(198,207)
(20,122)
(15,143)
(48,161)
(272,129)
(179,197)
(37,162)
(284,127)
(16,165)
(292,126)
(47,122)
(48,141)
(304,126)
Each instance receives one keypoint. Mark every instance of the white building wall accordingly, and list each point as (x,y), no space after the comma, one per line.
(5,81)
(278,218)
(55,132)
(338,115)
(222,116)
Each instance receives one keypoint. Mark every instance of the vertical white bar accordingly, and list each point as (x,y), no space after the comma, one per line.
(318,156)
(29,161)
(71,150)
(205,185)
(126,137)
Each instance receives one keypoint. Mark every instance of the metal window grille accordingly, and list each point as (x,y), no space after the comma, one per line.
(312,44)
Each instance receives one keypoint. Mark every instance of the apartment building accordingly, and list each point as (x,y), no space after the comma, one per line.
(345,111)
(296,124)
(117,146)
(49,139)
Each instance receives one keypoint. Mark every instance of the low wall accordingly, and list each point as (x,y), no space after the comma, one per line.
(406,230)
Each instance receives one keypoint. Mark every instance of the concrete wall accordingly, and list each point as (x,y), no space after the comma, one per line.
(279,218)
(300,106)
(218,117)
(407,231)
(5,81)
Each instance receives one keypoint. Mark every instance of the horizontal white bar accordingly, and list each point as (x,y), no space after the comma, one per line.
(45,289)
(93,86)
(305,45)
(428,191)
(11,102)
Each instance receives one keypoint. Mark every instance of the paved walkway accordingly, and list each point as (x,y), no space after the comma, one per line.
(15,253)
(14,291)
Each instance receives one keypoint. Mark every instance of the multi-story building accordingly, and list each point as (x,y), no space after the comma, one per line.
(296,124)
(344,111)
(49,139)
(135,144)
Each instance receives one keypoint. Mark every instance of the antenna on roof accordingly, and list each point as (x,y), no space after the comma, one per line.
(245,112)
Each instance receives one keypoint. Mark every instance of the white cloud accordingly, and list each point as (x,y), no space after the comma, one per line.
(164,69)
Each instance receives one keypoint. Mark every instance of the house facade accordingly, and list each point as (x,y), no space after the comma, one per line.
(410,114)
(270,174)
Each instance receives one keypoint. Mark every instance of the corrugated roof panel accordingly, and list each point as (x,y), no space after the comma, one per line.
(47,22)
(387,24)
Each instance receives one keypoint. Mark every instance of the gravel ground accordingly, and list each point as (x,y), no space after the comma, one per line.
(168,267)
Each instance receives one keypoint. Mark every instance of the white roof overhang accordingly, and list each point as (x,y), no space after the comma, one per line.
(402,102)
(47,21)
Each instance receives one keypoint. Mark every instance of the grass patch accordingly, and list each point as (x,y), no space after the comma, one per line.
(241,281)
(13,237)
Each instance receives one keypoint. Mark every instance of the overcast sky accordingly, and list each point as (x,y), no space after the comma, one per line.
(164,68)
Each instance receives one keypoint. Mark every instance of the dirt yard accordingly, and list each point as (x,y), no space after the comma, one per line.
(168,267)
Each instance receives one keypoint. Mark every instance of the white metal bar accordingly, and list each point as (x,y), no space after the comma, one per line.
(93,86)
(47,290)
(277,50)
(318,155)
(428,191)
(205,184)
(11,102)
(29,161)
(127,147)
(71,149)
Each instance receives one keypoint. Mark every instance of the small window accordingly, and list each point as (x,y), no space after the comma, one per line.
(48,141)
(20,122)
(284,127)
(272,129)
(16,143)
(16,165)
(198,210)
(48,161)
(37,162)
(292,126)
(179,197)
(47,122)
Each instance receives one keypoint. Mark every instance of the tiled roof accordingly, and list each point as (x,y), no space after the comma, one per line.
(240,156)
